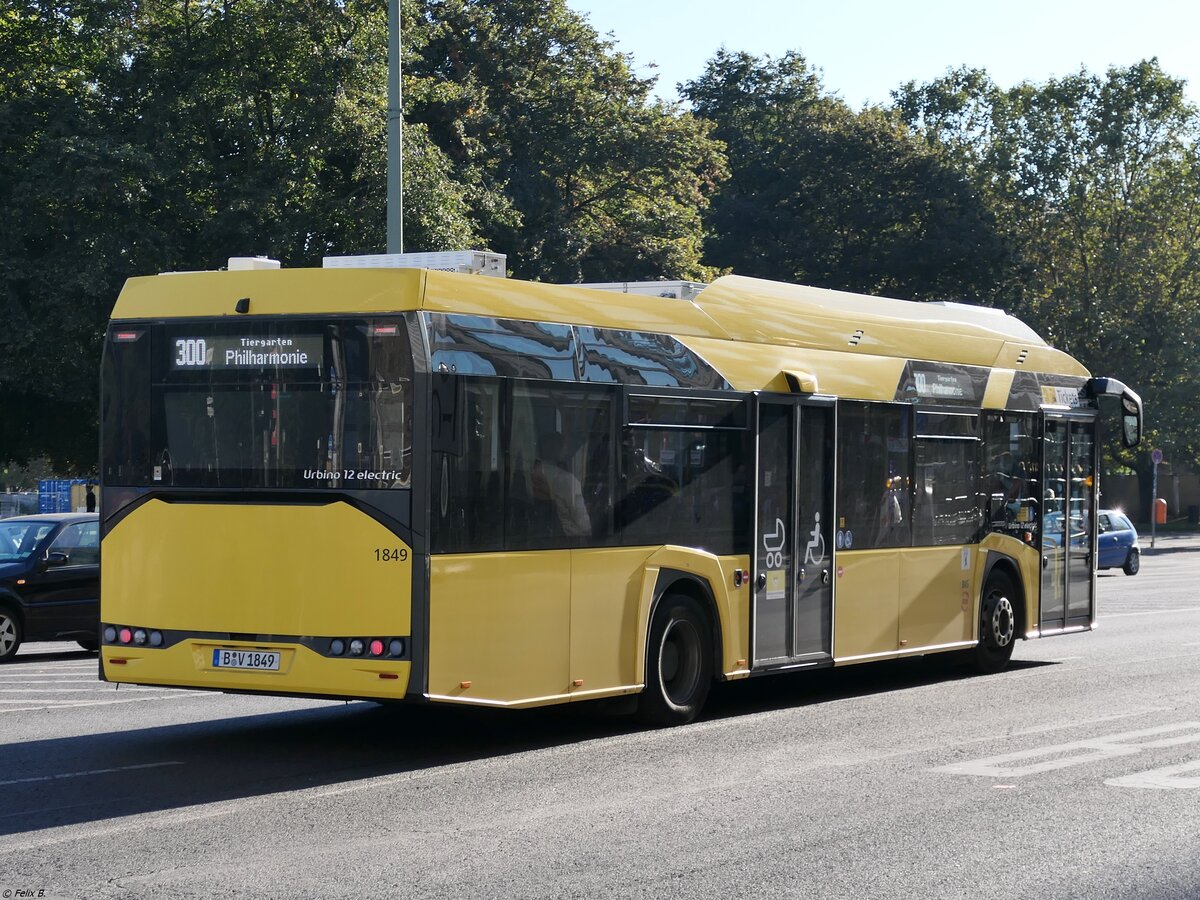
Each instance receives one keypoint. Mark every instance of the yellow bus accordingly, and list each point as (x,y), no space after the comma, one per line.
(411,484)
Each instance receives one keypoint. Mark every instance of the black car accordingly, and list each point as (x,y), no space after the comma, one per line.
(49,580)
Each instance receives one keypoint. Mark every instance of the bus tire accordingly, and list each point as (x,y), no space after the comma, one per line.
(997,625)
(678,663)
(11,632)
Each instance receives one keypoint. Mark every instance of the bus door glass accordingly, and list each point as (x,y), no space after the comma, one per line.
(1068,520)
(793,547)
(1081,498)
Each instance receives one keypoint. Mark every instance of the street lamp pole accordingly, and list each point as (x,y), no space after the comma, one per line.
(395,169)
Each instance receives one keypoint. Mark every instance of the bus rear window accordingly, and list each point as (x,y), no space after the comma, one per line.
(285,403)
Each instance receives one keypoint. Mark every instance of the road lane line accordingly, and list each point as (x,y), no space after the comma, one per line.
(59,690)
(1148,612)
(186,696)
(1165,778)
(62,775)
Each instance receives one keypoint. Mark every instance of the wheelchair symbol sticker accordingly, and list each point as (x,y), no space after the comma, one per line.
(814,551)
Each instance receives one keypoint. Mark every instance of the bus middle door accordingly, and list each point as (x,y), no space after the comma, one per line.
(791,620)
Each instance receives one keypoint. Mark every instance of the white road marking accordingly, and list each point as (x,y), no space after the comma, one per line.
(66,690)
(1165,778)
(1076,753)
(62,775)
(185,696)
(1039,673)
(1149,612)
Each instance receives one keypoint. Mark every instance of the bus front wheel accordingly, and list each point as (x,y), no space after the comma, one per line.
(997,626)
(678,663)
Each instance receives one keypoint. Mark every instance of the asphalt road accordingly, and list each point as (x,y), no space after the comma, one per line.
(1074,774)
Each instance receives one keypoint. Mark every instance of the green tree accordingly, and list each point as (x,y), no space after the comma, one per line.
(69,199)
(583,178)
(822,195)
(1095,181)
(142,137)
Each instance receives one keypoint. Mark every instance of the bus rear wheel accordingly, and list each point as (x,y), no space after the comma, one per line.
(678,663)
(997,626)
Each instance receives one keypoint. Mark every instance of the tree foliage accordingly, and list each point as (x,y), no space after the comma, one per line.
(1095,182)
(591,180)
(139,136)
(826,196)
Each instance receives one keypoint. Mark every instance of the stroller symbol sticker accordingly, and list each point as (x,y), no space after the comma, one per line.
(773,544)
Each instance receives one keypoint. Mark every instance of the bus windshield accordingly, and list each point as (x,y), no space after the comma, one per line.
(272,403)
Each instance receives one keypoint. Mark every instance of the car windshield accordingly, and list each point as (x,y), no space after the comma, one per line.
(18,540)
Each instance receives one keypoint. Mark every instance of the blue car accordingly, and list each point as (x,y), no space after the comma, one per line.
(1118,542)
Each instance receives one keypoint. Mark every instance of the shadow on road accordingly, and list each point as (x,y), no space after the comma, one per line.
(94,777)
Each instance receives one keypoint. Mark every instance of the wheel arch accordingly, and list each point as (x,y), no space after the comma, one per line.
(1007,565)
(13,603)
(698,588)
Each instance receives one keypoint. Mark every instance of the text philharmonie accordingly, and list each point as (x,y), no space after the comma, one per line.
(274,358)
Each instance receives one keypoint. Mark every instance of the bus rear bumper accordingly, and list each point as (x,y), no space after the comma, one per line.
(300,671)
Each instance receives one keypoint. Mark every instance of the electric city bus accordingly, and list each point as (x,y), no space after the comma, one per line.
(391,483)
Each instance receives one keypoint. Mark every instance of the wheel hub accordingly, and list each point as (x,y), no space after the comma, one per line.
(8,634)
(1003,622)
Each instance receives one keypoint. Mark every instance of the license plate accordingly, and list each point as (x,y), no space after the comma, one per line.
(267,660)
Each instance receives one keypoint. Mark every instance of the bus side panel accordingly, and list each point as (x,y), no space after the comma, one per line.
(606,594)
(288,570)
(866,604)
(936,592)
(499,627)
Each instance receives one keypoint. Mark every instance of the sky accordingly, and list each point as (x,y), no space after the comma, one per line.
(867,48)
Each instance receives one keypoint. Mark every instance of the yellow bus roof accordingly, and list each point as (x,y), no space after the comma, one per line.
(733,309)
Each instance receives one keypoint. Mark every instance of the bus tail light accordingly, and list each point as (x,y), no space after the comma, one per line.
(127,635)
(368,647)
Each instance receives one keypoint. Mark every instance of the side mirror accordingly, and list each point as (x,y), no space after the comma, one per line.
(1106,391)
(1131,421)
(56,558)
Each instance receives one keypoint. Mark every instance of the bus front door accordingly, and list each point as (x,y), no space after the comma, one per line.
(1068,521)
(791,621)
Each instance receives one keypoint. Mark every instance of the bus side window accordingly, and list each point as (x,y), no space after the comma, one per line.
(874,487)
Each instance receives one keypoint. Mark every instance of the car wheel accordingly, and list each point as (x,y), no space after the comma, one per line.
(997,626)
(1133,562)
(10,634)
(91,645)
(678,663)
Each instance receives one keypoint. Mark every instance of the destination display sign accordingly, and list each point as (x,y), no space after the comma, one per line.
(243,352)
(943,385)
